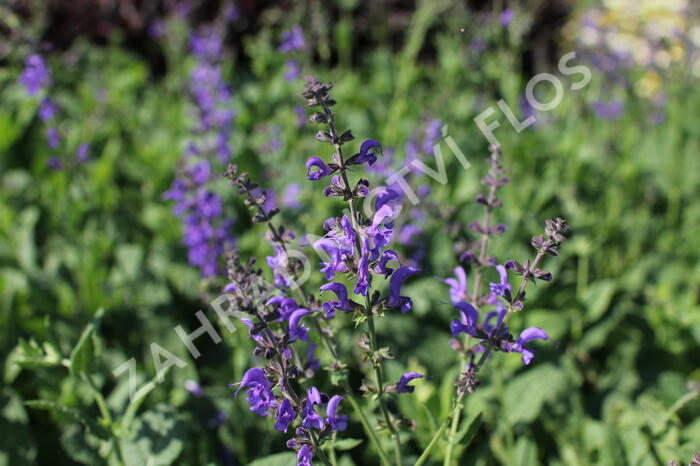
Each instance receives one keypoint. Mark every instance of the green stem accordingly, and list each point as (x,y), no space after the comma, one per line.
(680,402)
(319,452)
(451,443)
(379,381)
(99,399)
(454,417)
(366,425)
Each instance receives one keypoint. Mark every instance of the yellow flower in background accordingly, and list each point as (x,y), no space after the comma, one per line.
(649,85)
(650,36)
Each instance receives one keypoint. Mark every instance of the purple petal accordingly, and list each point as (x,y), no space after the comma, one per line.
(532,333)
(316,162)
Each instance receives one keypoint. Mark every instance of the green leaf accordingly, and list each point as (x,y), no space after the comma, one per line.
(136,401)
(541,384)
(525,452)
(156,439)
(85,355)
(80,446)
(344,444)
(70,413)
(17,447)
(598,297)
(280,459)
(470,431)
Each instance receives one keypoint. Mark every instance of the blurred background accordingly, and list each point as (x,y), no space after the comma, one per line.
(106,102)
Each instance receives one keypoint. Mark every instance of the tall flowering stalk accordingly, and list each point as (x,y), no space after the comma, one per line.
(206,228)
(357,247)
(37,80)
(280,324)
(473,337)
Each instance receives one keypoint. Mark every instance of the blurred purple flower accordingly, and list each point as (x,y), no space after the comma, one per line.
(194,388)
(292,71)
(292,40)
(82,153)
(610,110)
(506,17)
(35,76)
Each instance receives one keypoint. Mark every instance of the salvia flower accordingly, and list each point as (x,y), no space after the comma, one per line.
(404,303)
(402,385)
(341,304)
(458,285)
(312,420)
(207,230)
(338,423)
(36,76)
(292,40)
(284,416)
(260,396)
(526,336)
(304,456)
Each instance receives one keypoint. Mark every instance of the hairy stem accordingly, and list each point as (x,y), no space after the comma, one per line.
(379,381)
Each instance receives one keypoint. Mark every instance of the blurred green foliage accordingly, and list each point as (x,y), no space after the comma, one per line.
(624,305)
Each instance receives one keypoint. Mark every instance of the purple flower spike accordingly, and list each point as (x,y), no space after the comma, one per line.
(35,75)
(296,329)
(395,284)
(284,416)
(526,336)
(458,286)
(339,423)
(342,304)
(304,456)
(259,391)
(323,169)
(403,387)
